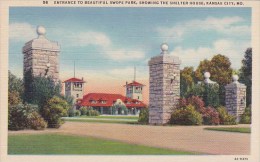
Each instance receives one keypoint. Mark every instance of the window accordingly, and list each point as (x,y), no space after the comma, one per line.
(138,97)
(103,102)
(77,95)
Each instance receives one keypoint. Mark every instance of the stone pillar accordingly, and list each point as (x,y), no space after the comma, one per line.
(41,56)
(235,98)
(164,90)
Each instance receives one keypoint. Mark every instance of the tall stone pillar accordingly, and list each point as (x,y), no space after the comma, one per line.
(235,98)
(164,90)
(41,56)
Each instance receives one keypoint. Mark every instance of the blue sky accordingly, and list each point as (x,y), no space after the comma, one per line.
(111,41)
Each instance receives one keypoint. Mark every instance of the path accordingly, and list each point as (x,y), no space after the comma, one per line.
(186,138)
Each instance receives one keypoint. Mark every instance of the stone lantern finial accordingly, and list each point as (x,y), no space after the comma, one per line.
(235,78)
(207,75)
(40,31)
(164,48)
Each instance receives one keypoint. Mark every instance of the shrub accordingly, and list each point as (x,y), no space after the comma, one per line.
(83,110)
(225,118)
(186,116)
(17,116)
(53,110)
(209,93)
(77,113)
(14,98)
(210,116)
(197,102)
(246,116)
(36,121)
(71,112)
(92,113)
(144,116)
(24,116)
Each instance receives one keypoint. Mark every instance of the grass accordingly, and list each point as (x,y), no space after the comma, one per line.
(102,121)
(110,117)
(68,144)
(232,129)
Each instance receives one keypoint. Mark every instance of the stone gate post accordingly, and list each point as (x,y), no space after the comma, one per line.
(164,87)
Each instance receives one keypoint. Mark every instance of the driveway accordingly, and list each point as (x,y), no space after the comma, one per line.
(186,138)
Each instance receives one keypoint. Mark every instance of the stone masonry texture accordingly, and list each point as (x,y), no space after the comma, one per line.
(164,90)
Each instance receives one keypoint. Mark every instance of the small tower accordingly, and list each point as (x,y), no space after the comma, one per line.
(235,98)
(164,87)
(134,90)
(74,87)
(41,56)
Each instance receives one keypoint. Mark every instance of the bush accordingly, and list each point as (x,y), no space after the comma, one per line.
(209,93)
(144,116)
(246,116)
(14,98)
(225,118)
(77,113)
(186,116)
(92,113)
(36,121)
(24,116)
(53,110)
(83,110)
(210,116)
(71,112)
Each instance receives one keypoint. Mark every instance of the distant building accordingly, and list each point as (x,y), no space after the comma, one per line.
(41,56)
(105,102)
(134,90)
(74,87)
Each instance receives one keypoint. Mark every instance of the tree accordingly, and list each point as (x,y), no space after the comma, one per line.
(221,72)
(15,85)
(187,80)
(246,74)
(53,110)
(39,89)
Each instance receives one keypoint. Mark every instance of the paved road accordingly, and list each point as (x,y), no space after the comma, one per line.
(187,138)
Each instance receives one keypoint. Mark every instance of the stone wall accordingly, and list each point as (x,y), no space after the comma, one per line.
(164,90)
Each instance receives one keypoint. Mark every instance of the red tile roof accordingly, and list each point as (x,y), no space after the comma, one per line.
(74,80)
(109,100)
(134,83)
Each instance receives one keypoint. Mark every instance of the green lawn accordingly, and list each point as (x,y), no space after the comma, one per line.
(68,144)
(110,117)
(232,129)
(102,121)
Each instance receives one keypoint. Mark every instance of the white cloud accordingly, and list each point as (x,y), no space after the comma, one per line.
(228,25)
(234,50)
(21,32)
(89,38)
(105,45)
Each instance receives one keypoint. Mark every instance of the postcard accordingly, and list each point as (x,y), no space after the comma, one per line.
(119,80)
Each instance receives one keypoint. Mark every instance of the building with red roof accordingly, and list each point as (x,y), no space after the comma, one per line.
(134,90)
(74,87)
(106,102)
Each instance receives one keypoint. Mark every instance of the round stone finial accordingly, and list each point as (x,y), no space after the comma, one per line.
(207,75)
(164,48)
(40,30)
(235,78)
